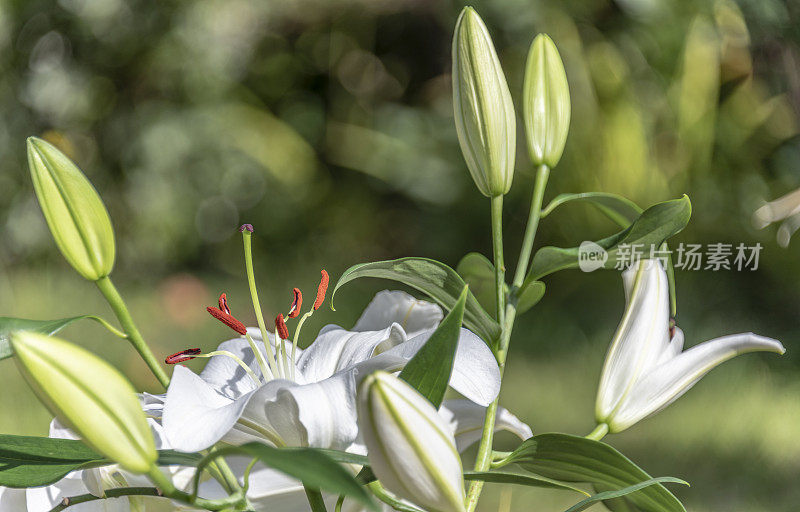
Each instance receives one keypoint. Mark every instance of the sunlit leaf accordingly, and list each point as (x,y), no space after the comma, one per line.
(577,459)
(609,495)
(429,370)
(619,209)
(438,281)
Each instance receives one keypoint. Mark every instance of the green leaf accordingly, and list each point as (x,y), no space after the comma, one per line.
(615,504)
(651,229)
(49,327)
(529,295)
(504,477)
(438,281)
(619,209)
(314,467)
(478,272)
(607,495)
(429,370)
(577,459)
(28,461)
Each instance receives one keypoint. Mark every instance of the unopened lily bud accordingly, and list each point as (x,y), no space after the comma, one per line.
(546,105)
(410,447)
(484,114)
(89,396)
(74,211)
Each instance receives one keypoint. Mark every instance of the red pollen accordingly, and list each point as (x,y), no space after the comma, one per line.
(323,287)
(223,304)
(228,320)
(280,327)
(183,355)
(296,303)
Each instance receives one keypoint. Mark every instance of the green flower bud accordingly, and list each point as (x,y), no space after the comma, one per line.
(411,448)
(73,210)
(546,106)
(484,114)
(89,396)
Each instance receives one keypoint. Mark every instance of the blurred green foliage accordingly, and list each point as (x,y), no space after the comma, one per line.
(328,125)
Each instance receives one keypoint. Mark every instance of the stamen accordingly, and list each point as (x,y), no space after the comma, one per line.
(191,353)
(183,355)
(223,304)
(280,327)
(323,287)
(228,320)
(297,303)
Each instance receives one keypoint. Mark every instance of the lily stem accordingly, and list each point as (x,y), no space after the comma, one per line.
(506,313)
(114,299)
(315,500)
(598,433)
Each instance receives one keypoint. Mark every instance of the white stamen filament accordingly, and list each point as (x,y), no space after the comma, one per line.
(236,358)
(297,337)
(262,363)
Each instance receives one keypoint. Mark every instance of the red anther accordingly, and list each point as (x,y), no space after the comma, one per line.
(323,287)
(228,320)
(280,327)
(296,303)
(223,304)
(183,355)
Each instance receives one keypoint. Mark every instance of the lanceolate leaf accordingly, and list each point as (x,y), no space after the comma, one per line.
(49,327)
(503,477)
(654,226)
(478,272)
(27,461)
(429,370)
(440,282)
(577,459)
(311,466)
(608,495)
(529,295)
(620,210)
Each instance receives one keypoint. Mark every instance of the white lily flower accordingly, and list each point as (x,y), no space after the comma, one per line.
(785,208)
(318,407)
(646,368)
(412,450)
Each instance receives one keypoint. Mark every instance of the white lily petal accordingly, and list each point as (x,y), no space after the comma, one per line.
(475,371)
(225,375)
(12,499)
(321,414)
(671,379)
(641,337)
(337,349)
(673,348)
(195,415)
(466,419)
(394,306)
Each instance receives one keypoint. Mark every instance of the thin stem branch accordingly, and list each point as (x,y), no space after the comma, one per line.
(110,493)
(542,175)
(114,299)
(315,500)
(381,493)
(598,433)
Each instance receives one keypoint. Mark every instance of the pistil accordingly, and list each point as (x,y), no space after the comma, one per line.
(247,231)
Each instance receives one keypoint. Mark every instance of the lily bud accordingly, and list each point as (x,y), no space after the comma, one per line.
(545,102)
(89,396)
(410,447)
(74,211)
(484,114)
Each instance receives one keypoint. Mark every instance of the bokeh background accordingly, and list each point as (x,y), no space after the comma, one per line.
(328,126)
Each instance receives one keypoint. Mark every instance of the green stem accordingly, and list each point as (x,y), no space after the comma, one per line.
(380,493)
(110,493)
(598,433)
(542,174)
(169,490)
(507,315)
(114,299)
(315,500)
